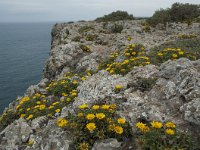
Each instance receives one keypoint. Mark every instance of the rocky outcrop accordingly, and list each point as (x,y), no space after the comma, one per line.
(173,95)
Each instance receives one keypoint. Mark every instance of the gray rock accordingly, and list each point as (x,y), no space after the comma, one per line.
(108,144)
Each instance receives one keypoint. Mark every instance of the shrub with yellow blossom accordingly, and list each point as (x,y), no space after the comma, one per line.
(158,135)
(96,123)
(187,36)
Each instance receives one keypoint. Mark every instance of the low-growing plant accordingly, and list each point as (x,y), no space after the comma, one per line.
(91,124)
(116,28)
(188,48)
(91,37)
(84,29)
(187,36)
(145,84)
(158,135)
(85,48)
(7,118)
(76,39)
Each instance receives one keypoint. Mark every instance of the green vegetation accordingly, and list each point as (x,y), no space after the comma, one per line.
(115,16)
(84,29)
(145,84)
(116,28)
(188,48)
(177,13)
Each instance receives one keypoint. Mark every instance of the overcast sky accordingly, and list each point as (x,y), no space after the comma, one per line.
(73,10)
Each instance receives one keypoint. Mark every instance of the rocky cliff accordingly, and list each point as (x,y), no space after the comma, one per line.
(107,68)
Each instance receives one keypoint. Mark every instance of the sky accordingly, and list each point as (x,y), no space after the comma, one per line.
(74,10)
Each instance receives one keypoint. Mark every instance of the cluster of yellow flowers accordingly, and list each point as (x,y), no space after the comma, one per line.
(38,104)
(170,53)
(134,56)
(169,126)
(95,122)
(187,36)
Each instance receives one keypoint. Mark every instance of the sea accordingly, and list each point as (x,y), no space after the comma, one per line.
(24,48)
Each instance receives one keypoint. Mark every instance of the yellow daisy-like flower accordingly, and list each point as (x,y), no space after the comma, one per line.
(113,106)
(111,127)
(160,54)
(22,115)
(143,127)
(57,110)
(91,126)
(169,132)
(95,107)
(105,106)
(181,53)
(42,107)
(90,116)
(84,146)
(62,122)
(170,125)
(83,106)
(100,115)
(133,53)
(118,87)
(29,117)
(80,114)
(156,124)
(174,55)
(118,129)
(121,121)
(74,94)
(50,107)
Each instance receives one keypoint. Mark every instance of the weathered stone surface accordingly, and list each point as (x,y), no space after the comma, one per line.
(108,144)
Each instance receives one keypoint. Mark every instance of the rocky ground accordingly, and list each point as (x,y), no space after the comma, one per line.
(174,94)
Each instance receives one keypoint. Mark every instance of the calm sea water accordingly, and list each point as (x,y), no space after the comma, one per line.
(24,48)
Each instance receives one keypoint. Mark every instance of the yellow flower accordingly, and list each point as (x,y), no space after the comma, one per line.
(160,54)
(83,78)
(112,71)
(42,107)
(80,114)
(100,115)
(123,70)
(28,109)
(50,107)
(174,55)
(127,54)
(38,102)
(111,127)
(84,146)
(95,107)
(30,142)
(22,115)
(68,99)
(57,110)
(105,106)
(83,106)
(143,127)
(156,124)
(90,116)
(75,82)
(64,94)
(133,53)
(55,103)
(113,106)
(74,94)
(118,130)
(129,39)
(169,132)
(181,53)
(61,122)
(119,87)
(121,121)
(170,125)
(91,126)
(29,117)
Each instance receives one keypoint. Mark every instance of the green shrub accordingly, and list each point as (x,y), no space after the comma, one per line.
(177,13)
(116,28)
(145,84)
(84,29)
(115,16)
(91,37)
(7,118)
(85,48)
